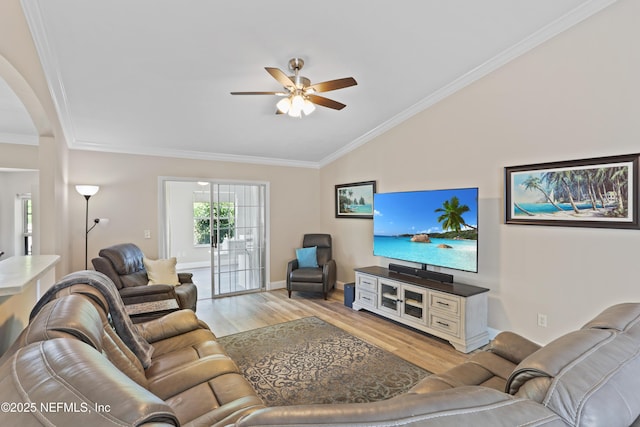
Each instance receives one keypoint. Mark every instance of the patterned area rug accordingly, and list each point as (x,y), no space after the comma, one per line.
(310,361)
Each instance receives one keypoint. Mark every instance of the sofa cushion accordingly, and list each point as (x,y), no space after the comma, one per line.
(219,402)
(306,275)
(483,368)
(619,317)
(307,257)
(323,244)
(161,271)
(126,258)
(588,377)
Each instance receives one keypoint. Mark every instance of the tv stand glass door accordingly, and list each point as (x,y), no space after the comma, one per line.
(414,304)
(406,301)
(389,298)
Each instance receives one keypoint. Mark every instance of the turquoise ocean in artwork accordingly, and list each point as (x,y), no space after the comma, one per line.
(548,208)
(362,209)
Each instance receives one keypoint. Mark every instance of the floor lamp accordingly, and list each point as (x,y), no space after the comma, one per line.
(87,191)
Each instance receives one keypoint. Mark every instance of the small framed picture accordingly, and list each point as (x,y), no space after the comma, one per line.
(355,200)
(598,192)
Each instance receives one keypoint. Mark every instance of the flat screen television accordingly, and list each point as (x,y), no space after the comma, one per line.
(431,227)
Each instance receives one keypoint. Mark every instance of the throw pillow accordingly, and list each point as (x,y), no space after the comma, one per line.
(161,271)
(307,257)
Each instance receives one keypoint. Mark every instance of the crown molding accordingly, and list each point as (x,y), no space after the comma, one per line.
(194,155)
(33,16)
(50,66)
(551,30)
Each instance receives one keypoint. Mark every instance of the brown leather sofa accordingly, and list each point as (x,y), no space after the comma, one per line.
(69,355)
(70,368)
(123,264)
(588,377)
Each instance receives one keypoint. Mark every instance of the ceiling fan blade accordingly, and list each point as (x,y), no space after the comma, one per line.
(332,85)
(280,76)
(325,102)
(260,93)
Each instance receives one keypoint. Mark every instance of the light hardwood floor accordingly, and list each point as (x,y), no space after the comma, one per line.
(240,313)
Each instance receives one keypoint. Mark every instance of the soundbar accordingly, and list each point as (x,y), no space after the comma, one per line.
(418,272)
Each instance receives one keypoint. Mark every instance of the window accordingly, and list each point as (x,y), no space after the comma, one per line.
(223,220)
(201,220)
(27,224)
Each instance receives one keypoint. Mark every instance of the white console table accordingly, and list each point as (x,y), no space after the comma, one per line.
(23,279)
(452,311)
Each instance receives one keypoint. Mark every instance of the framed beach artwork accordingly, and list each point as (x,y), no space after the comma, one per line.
(355,200)
(598,192)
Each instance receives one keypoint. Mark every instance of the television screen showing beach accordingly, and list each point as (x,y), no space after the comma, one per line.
(435,227)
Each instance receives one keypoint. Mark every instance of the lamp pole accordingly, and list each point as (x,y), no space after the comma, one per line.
(86,231)
(87,191)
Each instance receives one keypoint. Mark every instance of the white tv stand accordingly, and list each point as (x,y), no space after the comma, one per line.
(452,311)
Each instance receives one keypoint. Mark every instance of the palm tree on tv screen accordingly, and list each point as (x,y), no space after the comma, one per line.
(451,217)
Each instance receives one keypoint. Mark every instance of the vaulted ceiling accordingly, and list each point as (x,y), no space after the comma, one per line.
(155,76)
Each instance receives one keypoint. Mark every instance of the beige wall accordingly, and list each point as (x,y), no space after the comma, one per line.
(17,156)
(128,196)
(20,67)
(576,96)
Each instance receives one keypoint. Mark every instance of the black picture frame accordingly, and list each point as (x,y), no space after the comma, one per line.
(355,200)
(599,192)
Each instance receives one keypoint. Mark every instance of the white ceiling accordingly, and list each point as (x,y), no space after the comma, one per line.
(154,76)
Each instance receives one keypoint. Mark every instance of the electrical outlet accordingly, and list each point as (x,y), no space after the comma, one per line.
(147,234)
(542,320)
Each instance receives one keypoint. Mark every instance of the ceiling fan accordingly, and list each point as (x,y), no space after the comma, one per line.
(300,95)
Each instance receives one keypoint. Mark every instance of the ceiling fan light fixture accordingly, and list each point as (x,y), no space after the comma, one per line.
(308,107)
(297,105)
(284,105)
(300,96)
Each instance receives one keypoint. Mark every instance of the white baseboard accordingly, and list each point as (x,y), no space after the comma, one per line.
(492,333)
(280,284)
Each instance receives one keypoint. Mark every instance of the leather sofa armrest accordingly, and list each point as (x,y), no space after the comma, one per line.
(170,325)
(463,406)
(185,277)
(80,377)
(512,347)
(329,272)
(291,265)
(182,378)
(139,294)
(148,290)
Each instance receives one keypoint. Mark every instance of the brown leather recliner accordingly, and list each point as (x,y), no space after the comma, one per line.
(123,264)
(313,279)
(74,369)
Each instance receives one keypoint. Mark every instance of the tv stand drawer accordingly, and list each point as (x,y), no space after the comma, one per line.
(367,283)
(444,324)
(366,298)
(445,303)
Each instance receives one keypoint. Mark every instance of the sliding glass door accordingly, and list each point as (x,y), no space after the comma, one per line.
(217,230)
